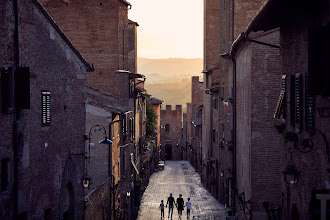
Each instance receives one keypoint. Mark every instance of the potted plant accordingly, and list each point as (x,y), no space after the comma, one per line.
(280,127)
(289,135)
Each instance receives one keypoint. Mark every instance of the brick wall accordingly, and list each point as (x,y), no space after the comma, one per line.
(45,167)
(98,202)
(96,29)
(295,59)
(172,138)
(258,144)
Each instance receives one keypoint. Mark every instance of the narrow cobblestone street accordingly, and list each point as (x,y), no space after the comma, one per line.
(179,177)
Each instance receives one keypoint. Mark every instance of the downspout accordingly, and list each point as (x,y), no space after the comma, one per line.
(18,114)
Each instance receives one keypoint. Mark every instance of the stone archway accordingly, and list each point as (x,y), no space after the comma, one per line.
(168,152)
(68,193)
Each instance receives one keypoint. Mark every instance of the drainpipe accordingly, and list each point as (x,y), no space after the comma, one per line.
(18,114)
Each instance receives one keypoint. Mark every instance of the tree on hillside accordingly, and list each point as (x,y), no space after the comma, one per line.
(151,121)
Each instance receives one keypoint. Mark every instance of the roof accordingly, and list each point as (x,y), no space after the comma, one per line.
(132,22)
(89,68)
(125,2)
(155,101)
(131,75)
(211,69)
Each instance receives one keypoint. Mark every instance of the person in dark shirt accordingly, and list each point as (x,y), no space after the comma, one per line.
(161,206)
(170,203)
(180,205)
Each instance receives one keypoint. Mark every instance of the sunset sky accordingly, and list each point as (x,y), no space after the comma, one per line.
(168,28)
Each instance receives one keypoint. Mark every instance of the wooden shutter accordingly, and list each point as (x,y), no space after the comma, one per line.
(310,107)
(22,88)
(298,100)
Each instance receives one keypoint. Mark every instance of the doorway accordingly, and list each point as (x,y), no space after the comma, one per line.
(168,152)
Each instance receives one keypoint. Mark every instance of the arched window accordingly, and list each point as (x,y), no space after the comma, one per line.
(167,128)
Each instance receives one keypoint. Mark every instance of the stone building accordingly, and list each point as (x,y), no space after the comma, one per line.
(230,166)
(258,82)
(42,118)
(156,105)
(303,104)
(192,125)
(107,38)
(171,133)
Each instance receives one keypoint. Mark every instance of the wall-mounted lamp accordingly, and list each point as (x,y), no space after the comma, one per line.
(96,128)
(86,181)
(128,194)
(291,174)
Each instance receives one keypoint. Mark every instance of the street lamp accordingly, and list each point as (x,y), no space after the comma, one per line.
(96,128)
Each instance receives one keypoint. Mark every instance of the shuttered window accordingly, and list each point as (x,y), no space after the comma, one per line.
(45,108)
(318,60)
(298,100)
(22,88)
(310,106)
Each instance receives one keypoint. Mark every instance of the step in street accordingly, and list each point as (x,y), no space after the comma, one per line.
(179,177)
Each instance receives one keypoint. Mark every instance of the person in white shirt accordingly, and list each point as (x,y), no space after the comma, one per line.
(188,205)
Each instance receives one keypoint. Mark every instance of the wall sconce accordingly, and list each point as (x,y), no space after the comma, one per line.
(86,182)
(291,174)
(128,194)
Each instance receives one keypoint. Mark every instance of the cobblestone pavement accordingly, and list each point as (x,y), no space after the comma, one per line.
(179,177)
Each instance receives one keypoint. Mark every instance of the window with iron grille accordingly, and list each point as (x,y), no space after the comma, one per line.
(45,108)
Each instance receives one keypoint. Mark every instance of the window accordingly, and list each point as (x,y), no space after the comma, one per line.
(123,162)
(132,129)
(214,135)
(22,88)
(309,107)
(124,127)
(45,107)
(4,174)
(15,88)
(199,113)
(318,60)
(215,103)
(167,128)
(131,88)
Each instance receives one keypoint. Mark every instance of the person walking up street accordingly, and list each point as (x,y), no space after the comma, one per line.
(188,205)
(161,206)
(180,205)
(170,203)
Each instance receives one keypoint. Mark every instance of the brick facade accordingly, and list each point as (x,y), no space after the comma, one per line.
(171,131)
(258,145)
(46,172)
(104,25)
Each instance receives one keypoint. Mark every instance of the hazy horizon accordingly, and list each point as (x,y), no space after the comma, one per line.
(169,79)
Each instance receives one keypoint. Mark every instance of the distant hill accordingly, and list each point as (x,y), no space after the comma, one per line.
(170,79)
